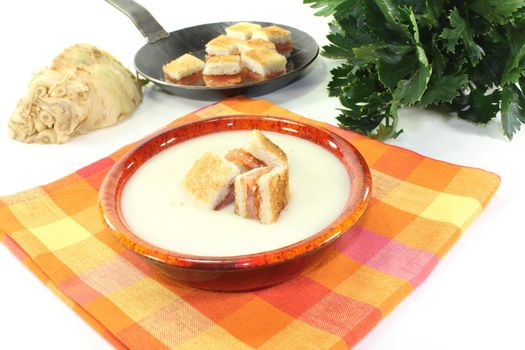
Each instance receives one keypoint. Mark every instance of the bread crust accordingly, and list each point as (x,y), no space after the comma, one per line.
(242,30)
(222,45)
(273,194)
(222,65)
(261,193)
(273,33)
(253,44)
(240,190)
(182,67)
(209,179)
(265,150)
(264,61)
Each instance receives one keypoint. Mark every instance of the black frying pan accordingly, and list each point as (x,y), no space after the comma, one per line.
(162,47)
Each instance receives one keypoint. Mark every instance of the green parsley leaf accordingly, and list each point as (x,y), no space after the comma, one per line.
(461,31)
(478,106)
(444,90)
(512,110)
(499,11)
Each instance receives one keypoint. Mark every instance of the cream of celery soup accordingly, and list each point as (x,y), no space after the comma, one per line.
(157,210)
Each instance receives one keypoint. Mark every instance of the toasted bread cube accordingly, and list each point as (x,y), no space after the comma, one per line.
(262,193)
(262,148)
(254,44)
(210,180)
(242,30)
(274,193)
(186,69)
(222,65)
(222,70)
(281,37)
(262,64)
(222,46)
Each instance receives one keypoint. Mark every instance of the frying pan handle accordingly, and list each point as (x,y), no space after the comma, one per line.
(148,26)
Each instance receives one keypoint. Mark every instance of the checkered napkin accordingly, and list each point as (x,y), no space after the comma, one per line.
(419,208)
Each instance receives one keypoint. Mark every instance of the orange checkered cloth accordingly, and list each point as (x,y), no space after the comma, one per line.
(419,208)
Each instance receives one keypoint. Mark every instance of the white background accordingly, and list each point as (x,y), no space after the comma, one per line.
(473,299)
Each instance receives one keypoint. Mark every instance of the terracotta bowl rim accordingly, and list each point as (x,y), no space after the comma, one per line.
(115,179)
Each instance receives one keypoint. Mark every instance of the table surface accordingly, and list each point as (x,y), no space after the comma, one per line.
(473,299)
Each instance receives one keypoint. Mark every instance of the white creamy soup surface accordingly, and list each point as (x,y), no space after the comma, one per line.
(157,210)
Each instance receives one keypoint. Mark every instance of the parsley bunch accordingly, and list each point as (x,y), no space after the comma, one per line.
(464,56)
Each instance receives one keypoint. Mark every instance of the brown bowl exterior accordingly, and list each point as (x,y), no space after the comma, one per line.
(244,272)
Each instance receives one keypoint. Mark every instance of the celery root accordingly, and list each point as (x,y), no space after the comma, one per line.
(84,89)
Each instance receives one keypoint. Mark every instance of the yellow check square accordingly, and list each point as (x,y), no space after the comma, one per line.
(170,323)
(375,288)
(456,210)
(300,335)
(37,211)
(410,198)
(429,235)
(60,234)
(86,255)
(32,246)
(383,184)
(214,338)
(143,298)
